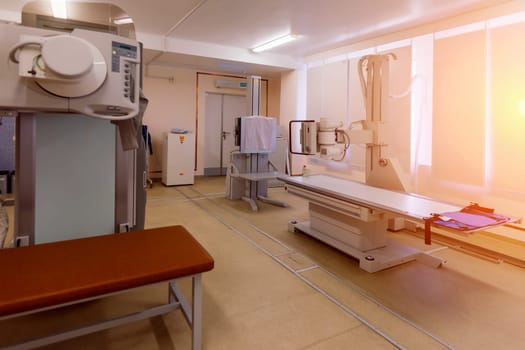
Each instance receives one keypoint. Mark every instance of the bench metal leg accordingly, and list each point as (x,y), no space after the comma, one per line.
(96,327)
(192,313)
(196,326)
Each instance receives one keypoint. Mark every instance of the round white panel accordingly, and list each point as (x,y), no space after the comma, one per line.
(77,85)
(67,56)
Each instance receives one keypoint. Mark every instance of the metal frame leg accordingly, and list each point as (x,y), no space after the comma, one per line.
(192,313)
(196,325)
(252,202)
(176,299)
(272,201)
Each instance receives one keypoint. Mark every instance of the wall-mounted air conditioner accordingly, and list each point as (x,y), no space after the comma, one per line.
(230,84)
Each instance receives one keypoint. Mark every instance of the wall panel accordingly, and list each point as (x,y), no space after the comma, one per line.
(395,130)
(507,114)
(458,147)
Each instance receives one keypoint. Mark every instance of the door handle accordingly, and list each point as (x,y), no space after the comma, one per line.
(224,134)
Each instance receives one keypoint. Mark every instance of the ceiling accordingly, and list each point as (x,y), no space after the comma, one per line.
(218,34)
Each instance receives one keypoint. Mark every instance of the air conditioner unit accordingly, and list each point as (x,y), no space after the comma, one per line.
(230,84)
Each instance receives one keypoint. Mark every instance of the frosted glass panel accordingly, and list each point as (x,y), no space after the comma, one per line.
(356,111)
(75,177)
(507,113)
(334,91)
(327,91)
(395,130)
(356,103)
(458,138)
(314,93)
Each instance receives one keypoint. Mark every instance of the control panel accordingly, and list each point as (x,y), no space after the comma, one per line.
(129,52)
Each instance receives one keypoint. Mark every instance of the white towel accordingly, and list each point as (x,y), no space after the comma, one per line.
(258,134)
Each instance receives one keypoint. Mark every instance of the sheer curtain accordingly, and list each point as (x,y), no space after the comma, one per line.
(506,136)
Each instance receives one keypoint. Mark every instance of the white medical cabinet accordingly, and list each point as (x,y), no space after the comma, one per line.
(178,158)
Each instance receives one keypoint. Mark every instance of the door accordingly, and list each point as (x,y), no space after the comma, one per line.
(220,114)
(233,107)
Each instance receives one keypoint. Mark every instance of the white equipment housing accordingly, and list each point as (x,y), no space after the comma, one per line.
(178,159)
(64,88)
(95,73)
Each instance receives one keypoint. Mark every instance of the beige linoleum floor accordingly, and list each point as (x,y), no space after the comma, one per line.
(272,289)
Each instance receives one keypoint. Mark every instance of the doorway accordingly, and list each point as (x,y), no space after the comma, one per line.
(221,111)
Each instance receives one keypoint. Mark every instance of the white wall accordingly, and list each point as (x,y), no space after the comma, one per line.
(171,95)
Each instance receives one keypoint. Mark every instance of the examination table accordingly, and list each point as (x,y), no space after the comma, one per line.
(51,275)
(353,216)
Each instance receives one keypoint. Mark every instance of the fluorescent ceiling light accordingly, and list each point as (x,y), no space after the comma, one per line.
(275,42)
(123,20)
(59,8)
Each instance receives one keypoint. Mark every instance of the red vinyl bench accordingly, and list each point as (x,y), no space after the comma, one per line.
(52,275)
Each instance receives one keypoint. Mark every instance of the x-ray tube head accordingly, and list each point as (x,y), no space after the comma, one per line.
(309,137)
(303,137)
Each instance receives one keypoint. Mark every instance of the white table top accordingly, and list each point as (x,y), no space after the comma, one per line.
(410,205)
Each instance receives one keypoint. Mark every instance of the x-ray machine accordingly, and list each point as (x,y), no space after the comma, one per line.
(353,216)
(73,95)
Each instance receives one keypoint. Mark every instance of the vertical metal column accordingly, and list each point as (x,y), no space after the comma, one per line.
(125,182)
(253,98)
(376,97)
(25,177)
(253,94)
